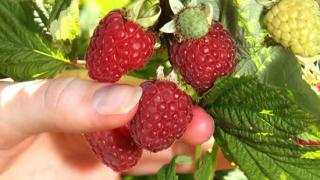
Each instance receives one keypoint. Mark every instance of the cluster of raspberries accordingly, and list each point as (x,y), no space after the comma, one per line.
(201,51)
(118,46)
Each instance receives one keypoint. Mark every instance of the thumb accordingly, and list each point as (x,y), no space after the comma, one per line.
(64,105)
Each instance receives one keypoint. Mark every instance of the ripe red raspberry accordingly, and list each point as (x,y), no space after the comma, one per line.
(318,87)
(162,117)
(115,148)
(203,60)
(311,143)
(117,47)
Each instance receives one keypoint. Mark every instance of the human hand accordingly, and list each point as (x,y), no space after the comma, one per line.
(41,122)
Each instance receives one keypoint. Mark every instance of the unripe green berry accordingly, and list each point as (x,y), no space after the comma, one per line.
(192,23)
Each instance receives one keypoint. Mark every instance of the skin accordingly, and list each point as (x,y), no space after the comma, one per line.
(41,123)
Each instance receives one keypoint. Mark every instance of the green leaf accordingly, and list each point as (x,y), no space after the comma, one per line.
(245,67)
(2,76)
(149,71)
(235,174)
(176,6)
(206,170)
(41,17)
(216,7)
(64,20)
(274,65)
(242,19)
(168,172)
(284,71)
(24,52)
(310,137)
(149,14)
(258,127)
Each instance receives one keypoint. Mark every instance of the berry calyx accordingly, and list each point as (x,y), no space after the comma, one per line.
(192,23)
(163,115)
(202,50)
(115,148)
(144,13)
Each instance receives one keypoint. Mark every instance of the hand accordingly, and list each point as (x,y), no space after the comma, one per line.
(41,122)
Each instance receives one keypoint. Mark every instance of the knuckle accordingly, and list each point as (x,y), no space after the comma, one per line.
(54,92)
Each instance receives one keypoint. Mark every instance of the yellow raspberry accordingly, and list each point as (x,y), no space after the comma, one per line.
(296,25)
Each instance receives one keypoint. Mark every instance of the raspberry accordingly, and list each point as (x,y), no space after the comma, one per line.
(117,47)
(311,143)
(115,148)
(318,87)
(294,24)
(203,60)
(162,117)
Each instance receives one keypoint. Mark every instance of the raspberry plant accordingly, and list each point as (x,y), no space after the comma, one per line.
(266,111)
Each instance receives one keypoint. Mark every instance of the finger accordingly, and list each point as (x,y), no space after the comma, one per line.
(64,105)
(200,129)
(223,163)
(150,163)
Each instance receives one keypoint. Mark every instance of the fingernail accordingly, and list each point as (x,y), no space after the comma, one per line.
(116,99)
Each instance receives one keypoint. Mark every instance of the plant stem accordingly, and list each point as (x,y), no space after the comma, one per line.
(80,62)
(224,12)
(197,156)
(215,150)
(166,14)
